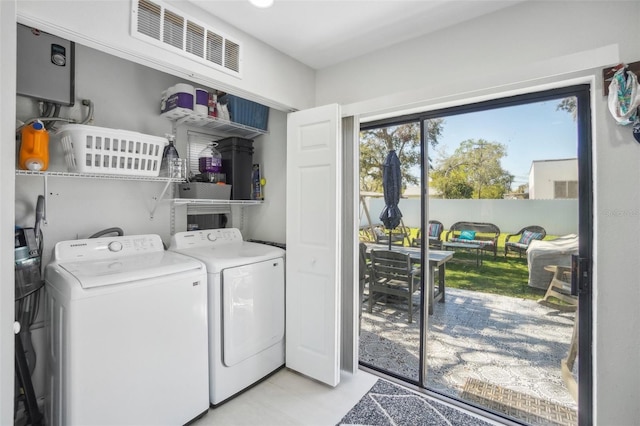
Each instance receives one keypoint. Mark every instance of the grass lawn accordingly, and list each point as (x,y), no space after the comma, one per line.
(507,277)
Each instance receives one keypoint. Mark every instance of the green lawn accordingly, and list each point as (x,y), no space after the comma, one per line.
(507,277)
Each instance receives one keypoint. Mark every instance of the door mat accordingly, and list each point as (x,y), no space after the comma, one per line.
(389,404)
(517,405)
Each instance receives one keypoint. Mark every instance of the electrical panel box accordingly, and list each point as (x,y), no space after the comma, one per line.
(45,69)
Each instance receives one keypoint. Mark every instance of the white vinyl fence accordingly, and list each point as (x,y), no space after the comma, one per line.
(557,217)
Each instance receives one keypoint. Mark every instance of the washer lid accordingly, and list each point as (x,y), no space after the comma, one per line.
(221,256)
(102,272)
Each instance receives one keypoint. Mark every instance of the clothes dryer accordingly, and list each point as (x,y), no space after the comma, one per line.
(246,307)
(127,325)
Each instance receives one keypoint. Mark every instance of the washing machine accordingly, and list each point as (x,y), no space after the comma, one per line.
(246,307)
(127,334)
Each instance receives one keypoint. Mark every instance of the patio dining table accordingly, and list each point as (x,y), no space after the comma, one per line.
(437,259)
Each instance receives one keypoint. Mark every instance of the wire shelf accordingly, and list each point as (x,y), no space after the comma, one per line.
(96,176)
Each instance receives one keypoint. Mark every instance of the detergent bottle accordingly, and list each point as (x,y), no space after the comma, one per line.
(34,148)
(210,164)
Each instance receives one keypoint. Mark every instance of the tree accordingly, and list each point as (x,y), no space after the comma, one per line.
(451,180)
(375,144)
(569,105)
(473,171)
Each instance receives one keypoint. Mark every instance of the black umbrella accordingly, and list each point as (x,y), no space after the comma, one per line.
(391,187)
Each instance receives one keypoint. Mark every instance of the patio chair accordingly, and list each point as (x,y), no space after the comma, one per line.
(541,254)
(398,235)
(393,274)
(527,234)
(434,232)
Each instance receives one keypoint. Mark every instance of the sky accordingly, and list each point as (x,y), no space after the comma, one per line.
(530,132)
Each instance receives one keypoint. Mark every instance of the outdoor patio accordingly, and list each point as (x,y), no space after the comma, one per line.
(478,340)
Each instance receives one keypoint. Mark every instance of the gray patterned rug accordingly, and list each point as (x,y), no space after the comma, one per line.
(389,404)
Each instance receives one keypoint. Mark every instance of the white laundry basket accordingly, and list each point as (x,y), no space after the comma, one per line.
(91,149)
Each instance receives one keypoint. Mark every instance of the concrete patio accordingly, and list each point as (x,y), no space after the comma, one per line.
(513,343)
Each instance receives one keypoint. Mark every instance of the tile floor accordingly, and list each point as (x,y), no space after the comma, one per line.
(288,398)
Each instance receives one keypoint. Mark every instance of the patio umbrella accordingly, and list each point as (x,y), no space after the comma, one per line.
(391,187)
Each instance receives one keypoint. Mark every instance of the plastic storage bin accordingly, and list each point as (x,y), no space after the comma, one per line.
(204,190)
(91,149)
(246,112)
(237,164)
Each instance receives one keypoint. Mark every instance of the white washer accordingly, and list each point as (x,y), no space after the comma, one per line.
(127,334)
(246,307)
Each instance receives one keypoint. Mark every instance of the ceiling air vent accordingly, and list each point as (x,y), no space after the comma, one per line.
(231,55)
(158,24)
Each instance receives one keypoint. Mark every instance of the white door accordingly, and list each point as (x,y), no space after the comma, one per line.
(314,255)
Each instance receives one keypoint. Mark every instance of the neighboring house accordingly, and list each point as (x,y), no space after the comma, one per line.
(553,179)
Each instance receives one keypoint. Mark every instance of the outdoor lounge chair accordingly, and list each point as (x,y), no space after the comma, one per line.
(434,232)
(527,234)
(549,252)
(393,274)
(483,235)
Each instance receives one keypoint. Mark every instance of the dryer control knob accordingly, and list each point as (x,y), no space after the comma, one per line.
(115,246)
(211,236)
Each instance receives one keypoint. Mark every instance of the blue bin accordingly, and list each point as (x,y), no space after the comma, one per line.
(246,112)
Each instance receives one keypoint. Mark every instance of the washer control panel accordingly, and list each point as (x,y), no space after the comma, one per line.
(104,248)
(205,237)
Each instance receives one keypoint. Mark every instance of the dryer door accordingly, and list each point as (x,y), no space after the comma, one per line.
(252,309)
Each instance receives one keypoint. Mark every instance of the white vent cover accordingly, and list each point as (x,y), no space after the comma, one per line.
(161,25)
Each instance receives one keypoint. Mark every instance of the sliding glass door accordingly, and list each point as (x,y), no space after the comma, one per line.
(497,210)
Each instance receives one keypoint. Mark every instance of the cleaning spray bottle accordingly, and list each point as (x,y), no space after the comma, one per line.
(34,147)
(169,154)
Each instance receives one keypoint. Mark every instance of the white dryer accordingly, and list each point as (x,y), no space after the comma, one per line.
(127,334)
(246,307)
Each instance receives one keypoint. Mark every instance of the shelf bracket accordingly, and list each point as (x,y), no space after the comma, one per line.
(46,199)
(159,198)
